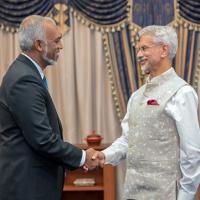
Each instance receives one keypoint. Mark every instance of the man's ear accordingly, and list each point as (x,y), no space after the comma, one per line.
(38,44)
(165,52)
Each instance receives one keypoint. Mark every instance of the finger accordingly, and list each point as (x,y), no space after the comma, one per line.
(91,150)
(101,163)
(95,155)
(85,168)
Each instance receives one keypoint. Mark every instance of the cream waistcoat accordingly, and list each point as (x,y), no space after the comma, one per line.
(153,155)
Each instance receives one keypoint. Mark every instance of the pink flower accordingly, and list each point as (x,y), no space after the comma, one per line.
(152,102)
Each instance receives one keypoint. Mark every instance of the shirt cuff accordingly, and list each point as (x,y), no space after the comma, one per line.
(183,195)
(83,158)
(108,157)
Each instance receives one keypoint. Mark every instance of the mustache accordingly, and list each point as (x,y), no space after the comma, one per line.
(139,59)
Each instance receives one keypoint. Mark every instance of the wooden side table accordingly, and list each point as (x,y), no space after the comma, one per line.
(104,188)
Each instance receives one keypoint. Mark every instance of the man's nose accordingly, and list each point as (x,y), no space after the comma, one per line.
(61,46)
(139,53)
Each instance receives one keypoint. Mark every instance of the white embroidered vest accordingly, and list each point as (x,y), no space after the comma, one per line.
(153,155)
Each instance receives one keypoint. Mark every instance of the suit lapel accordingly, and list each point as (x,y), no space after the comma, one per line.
(30,64)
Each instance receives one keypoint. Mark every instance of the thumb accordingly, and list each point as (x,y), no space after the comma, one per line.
(95,155)
(101,156)
(85,168)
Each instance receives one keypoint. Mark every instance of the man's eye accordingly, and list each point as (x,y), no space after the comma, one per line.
(144,48)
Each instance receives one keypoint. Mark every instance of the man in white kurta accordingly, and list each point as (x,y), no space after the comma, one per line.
(160,138)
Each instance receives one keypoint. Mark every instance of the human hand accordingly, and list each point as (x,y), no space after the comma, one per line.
(90,162)
(100,156)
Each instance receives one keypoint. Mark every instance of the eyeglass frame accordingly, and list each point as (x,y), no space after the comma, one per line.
(144,48)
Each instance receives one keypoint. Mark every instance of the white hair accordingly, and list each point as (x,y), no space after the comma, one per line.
(162,34)
(31,29)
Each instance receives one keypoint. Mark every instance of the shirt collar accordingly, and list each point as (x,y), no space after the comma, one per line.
(161,77)
(36,65)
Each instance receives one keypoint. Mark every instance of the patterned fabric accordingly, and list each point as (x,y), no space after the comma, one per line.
(13,12)
(190,10)
(153,153)
(150,12)
(102,12)
(121,67)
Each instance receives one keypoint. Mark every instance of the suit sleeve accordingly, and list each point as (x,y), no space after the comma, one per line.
(27,103)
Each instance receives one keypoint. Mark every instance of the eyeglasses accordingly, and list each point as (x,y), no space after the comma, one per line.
(145,48)
(57,41)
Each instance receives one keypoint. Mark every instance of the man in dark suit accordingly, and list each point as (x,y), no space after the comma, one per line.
(33,154)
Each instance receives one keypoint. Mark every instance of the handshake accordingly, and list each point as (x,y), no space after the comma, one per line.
(93,159)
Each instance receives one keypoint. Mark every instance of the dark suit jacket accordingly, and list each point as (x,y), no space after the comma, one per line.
(32,152)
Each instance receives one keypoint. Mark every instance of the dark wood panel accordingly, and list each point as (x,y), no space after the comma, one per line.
(104,188)
(84,195)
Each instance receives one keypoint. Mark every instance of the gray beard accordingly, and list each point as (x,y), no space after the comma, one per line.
(48,60)
(145,71)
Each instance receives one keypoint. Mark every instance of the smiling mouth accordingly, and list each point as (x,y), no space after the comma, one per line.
(141,61)
(57,54)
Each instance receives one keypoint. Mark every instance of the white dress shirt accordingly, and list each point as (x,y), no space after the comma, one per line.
(182,107)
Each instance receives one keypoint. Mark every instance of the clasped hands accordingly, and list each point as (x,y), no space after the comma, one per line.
(93,159)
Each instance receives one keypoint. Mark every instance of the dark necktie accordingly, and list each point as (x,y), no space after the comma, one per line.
(44,80)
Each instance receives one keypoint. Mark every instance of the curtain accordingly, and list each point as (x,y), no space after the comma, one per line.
(80,87)
(12,12)
(8,51)
(97,71)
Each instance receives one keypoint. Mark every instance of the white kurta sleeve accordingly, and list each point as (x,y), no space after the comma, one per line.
(183,109)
